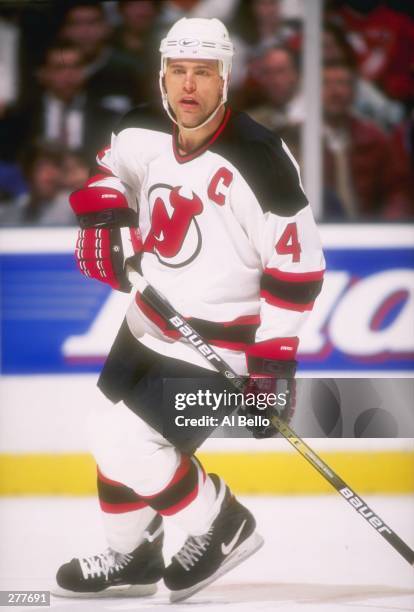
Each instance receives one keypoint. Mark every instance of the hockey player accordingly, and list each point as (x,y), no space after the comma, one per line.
(229,238)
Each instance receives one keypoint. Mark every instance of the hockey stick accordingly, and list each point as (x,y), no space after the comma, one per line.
(170,315)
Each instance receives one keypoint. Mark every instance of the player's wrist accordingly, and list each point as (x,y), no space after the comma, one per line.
(273,358)
(272,367)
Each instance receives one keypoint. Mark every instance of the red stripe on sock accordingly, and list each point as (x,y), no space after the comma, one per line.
(183,503)
(122,508)
(190,496)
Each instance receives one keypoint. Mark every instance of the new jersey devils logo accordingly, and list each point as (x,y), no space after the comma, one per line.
(174,237)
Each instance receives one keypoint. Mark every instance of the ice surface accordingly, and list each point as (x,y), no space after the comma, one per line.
(319,555)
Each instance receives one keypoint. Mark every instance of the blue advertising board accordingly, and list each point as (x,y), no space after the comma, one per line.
(53,320)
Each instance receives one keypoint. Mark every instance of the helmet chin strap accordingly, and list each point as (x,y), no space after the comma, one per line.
(200,125)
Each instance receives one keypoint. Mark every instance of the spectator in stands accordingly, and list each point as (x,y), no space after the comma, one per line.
(75,170)
(136,40)
(36,24)
(9,48)
(110,79)
(256,26)
(137,20)
(382,39)
(276,73)
(369,101)
(12,184)
(172,10)
(64,112)
(260,24)
(46,202)
(402,158)
(357,166)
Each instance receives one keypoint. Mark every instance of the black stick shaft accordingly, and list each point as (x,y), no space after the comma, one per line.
(169,314)
(344,489)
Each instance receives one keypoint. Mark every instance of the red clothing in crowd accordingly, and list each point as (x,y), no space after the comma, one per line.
(375,177)
(404,168)
(383,42)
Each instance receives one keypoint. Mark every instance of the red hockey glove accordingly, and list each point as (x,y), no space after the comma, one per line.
(102,212)
(270,389)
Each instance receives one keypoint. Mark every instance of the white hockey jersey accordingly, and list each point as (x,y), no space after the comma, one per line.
(229,237)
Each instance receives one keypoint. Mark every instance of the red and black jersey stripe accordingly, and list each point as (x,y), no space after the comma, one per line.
(116,498)
(294,291)
(235,335)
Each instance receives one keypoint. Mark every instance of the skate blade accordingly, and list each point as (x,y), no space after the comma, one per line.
(124,590)
(242,552)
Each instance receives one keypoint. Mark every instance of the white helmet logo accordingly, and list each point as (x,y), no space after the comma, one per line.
(189,42)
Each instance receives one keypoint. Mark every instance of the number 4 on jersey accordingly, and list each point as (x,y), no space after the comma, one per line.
(288,243)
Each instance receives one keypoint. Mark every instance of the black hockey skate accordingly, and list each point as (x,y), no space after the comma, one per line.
(113,574)
(203,559)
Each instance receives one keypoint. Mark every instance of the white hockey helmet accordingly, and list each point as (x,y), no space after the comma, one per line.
(197,38)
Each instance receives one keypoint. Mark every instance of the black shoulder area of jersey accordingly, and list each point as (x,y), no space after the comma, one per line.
(260,158)
(149,116)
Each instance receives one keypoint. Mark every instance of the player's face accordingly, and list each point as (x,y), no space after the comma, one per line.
(194,89)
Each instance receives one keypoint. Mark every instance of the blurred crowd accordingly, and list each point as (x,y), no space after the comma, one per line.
(70,69)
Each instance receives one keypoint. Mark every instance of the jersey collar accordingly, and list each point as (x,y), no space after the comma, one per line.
(182,159)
